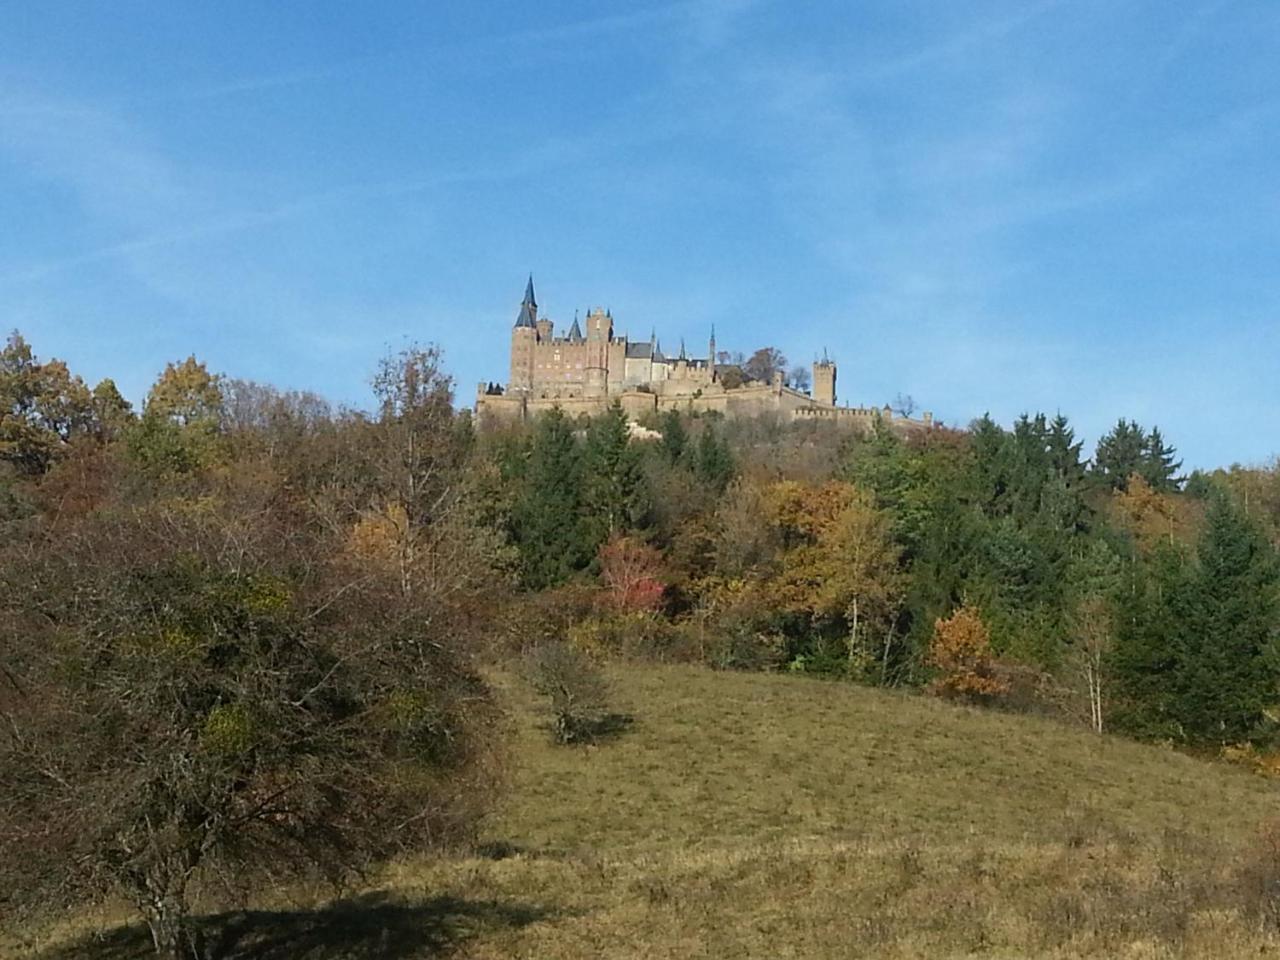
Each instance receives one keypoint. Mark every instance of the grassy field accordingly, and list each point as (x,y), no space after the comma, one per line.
(746,815)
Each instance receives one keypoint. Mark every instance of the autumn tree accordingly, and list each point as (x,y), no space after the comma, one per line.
(213,690)
(839,563)
(180,430)
(43,407)
(632,573)
(960,651)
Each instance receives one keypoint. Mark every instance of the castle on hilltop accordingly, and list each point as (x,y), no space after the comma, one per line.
(586,372)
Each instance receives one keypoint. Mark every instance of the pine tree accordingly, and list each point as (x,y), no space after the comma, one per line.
(675,439)
(1120,454)
(1227,630)
(714,464)
(1064,451)
(548,515)
(1158,467)
(613,483)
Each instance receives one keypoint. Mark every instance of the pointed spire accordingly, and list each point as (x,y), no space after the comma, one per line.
(528,316)
(682,356)
(575,332)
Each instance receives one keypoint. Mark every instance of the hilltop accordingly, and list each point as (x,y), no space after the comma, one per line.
(770,815)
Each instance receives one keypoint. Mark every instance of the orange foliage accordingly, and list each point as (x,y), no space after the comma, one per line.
(961,650)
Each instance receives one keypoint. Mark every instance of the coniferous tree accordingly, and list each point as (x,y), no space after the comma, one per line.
(1227,630)
(675,439)
(1195,654)
(613,482)
(1064,451)
(1120,454)
(1159,468)
(548,514)
(714,464)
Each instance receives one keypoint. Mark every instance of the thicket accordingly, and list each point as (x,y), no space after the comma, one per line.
(239,636)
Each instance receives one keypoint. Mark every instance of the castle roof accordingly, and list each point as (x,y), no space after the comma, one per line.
(528,307)
(640,351)
(575,332)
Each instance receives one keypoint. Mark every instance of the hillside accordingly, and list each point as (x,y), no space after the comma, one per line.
(775,816)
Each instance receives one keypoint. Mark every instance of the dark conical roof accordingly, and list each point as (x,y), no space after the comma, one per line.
(528,307)
(575,332)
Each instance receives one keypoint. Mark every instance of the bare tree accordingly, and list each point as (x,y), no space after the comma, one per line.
(764,363)
(799,378)
(904,405)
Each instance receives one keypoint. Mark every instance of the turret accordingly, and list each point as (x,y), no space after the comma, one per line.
(711,354)
(824,381)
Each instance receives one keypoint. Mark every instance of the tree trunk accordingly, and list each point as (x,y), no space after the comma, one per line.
(167,920)
(853,633)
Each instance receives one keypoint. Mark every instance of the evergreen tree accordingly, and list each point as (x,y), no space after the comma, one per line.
(991,451)
(1159,468)
(1227,630)
(548,515)
(1120,454)
(613,482)
(675,439)
(1196,653)
(1064,451)
(714,464)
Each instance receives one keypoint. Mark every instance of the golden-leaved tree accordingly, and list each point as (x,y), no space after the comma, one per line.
(839,563)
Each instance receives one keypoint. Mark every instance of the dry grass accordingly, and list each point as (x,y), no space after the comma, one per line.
(748,815)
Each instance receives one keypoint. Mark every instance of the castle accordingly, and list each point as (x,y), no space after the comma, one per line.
(586,372)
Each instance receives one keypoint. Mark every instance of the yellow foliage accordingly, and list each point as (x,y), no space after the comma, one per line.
(1247,755)
(228,730)
(266,596)
(1153,517)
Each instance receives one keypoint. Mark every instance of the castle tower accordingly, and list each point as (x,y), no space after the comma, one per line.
(711,355)
(596,370)
(524,336)
(824,381)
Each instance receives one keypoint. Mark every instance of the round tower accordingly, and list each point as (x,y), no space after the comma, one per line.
(596,368)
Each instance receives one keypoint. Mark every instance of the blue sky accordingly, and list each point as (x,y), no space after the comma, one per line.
(1019,205)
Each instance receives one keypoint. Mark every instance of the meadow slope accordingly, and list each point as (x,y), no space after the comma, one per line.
(751,815)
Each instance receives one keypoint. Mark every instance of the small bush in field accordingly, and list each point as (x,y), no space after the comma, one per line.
(577,690)
(961,652)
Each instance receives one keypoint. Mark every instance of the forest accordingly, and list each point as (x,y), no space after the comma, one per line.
(248,634)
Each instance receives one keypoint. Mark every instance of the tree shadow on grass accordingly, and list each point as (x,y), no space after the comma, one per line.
(588,731)
(374,926)
(607,726)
